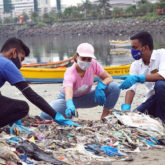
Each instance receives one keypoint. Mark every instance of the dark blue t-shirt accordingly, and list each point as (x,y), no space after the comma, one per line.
(9,72)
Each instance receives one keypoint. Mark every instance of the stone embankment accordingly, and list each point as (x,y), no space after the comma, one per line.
(113,27)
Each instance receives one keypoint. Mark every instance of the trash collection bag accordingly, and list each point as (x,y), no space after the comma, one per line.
(141,121)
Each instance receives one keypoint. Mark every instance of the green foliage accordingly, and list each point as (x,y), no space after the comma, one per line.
(151,16)
(8,20)
(71,13)
(104,7)
(131,10)
(25,16)
(35,16)
(15,19)
(41,24)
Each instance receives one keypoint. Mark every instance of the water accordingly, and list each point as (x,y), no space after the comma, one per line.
(51,49)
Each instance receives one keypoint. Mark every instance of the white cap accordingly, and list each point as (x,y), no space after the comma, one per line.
(86,50)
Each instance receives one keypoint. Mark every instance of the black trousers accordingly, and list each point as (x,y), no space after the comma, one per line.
(12,110)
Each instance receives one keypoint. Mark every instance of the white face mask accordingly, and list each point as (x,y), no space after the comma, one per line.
(83,64)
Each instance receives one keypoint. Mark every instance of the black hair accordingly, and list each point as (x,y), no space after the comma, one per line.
(15,43)
(144,38)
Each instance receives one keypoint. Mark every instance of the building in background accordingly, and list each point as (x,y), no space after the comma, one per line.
(1,9)
(126,3)
(22,6)
(58,5)
(44,6)
(15,8)
(7,4)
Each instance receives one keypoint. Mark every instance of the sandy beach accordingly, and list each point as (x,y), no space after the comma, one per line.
(51,91)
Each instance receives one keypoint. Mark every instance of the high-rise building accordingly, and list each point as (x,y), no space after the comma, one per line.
(44,6)
(15,8)
(22,6)
(7,5)
(58,5)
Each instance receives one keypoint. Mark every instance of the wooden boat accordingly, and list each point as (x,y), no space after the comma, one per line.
(120,51)
(50,64)
(120,43)
(56,75)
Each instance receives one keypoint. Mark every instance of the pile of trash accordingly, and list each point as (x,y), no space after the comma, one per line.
(118,136)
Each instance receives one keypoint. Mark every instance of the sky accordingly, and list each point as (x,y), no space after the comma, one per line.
(67,2)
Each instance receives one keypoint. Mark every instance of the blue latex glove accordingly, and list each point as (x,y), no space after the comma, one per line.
(130,80)
(18,122)
(19,128)
(70,108)
(59,118)
(125,107)
(100,97)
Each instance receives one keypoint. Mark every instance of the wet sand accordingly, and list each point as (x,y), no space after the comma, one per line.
(50,91)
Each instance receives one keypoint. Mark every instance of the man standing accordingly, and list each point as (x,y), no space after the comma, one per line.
(148,68)
(12,54)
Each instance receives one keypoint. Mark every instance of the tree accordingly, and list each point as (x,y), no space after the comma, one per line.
(144,8)
(85,8)
(117,11)
(71,12)
(105,6)
(25,16)
(8,20)
(34,16)
(131,9)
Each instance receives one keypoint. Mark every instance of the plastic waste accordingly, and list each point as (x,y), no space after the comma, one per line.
(16,129)
(32,151)
(110,151)
(141,121)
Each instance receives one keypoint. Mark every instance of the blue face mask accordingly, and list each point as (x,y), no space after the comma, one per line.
(136,54)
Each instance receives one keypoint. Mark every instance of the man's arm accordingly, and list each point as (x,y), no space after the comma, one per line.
(129,97)
(33,97)
(154,77)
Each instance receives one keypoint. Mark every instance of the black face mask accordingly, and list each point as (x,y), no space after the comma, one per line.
(16,62)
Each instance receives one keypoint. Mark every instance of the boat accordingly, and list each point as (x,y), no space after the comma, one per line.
(62,63)
(120,43)
(120,51)
(56,75)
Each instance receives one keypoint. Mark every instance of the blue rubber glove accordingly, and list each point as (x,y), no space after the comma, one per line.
(100,97)
(70,108)
(130,80)
(59,118)
(17,128)
(18,122)
(125,107)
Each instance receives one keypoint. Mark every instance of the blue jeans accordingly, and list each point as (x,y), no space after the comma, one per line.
(86,101)
(155,105)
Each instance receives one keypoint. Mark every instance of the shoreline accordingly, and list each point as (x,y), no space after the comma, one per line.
(115,27)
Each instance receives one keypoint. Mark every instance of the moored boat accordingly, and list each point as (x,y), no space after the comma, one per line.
(120,51)
(56,75)
(65,62)
(120,43)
